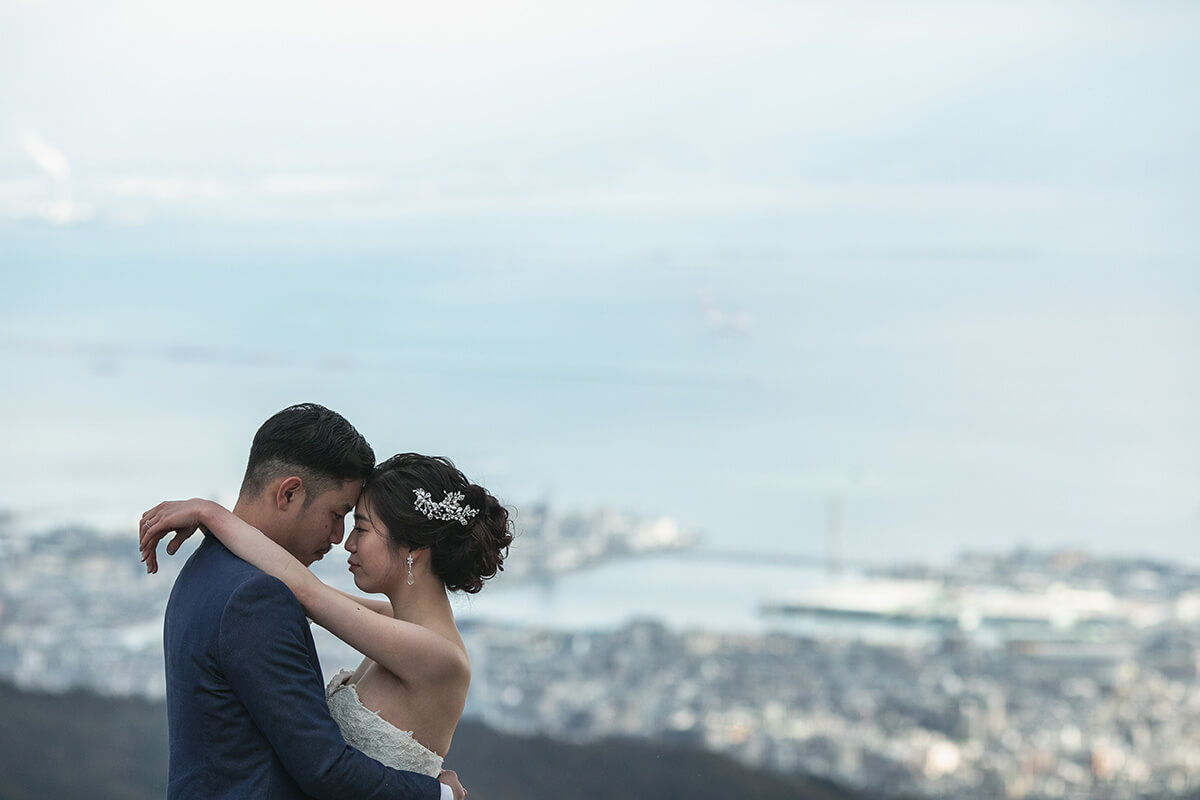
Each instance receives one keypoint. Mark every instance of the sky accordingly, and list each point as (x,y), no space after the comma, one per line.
(124,112)
(719,260)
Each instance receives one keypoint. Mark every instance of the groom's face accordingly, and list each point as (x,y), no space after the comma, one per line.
(321,522)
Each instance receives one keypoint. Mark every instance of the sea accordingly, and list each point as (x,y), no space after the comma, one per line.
(805,392)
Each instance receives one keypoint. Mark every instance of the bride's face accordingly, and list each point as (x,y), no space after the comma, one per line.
(375,566)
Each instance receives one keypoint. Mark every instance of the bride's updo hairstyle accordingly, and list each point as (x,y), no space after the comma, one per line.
(408,496)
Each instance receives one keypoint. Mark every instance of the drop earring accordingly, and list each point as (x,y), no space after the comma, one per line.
(411,580)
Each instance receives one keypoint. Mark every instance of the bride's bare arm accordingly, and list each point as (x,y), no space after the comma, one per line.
(403,648)
(378,606)
(408,651)
(183,517)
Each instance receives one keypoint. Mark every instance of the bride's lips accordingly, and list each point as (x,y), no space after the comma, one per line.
(352,565)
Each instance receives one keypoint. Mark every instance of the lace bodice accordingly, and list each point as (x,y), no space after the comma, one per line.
(366,731)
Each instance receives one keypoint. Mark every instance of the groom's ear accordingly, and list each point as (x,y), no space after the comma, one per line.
(289,491)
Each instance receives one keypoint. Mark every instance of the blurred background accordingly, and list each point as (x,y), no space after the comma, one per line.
(737,304)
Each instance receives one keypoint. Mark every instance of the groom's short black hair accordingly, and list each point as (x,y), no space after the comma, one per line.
(308,440)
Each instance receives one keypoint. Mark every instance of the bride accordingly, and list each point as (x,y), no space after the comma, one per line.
(420,529)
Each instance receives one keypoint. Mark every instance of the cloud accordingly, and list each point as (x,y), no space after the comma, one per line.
(722,321)
(29,199)
(48,158)
(319,184)
(167,187)
(65,211)
(175,187)
(21,200)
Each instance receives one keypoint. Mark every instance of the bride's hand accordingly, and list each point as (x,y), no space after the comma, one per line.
(450,778)
(181,517)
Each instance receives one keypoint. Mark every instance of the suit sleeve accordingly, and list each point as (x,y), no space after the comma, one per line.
(264,652)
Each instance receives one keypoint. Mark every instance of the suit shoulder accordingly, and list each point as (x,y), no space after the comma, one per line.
(255,593)
(218,565)
(214,577)
(256,584)
(258,610)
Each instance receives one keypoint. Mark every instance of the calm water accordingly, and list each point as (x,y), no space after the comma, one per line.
(961,397)
(677,591)
(681,592)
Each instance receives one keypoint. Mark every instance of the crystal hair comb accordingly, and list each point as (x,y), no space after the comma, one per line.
(449,510)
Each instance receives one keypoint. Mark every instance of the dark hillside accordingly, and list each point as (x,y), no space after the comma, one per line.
(82,745)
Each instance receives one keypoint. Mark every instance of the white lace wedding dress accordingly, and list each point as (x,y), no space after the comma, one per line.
(366,731)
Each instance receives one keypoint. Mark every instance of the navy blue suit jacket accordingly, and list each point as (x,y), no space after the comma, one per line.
(246,709)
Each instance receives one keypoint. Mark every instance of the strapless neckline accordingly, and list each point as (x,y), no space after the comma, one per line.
(366,731)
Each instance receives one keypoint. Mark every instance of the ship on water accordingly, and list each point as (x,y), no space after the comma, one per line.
(1009,613)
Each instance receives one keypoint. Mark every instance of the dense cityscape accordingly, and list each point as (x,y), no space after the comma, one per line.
(1027,674)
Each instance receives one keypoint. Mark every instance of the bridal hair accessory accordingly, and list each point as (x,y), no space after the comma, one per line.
(410,581)
(450,509)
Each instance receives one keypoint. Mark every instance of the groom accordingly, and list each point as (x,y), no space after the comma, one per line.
(246,709)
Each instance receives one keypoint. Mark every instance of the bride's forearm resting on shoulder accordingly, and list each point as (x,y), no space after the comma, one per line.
(366,625)
(403,648)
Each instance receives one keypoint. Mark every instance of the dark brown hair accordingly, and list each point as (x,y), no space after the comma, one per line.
(461,556)
(311,441)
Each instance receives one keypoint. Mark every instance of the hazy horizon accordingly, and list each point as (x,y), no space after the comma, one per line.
(717,261)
